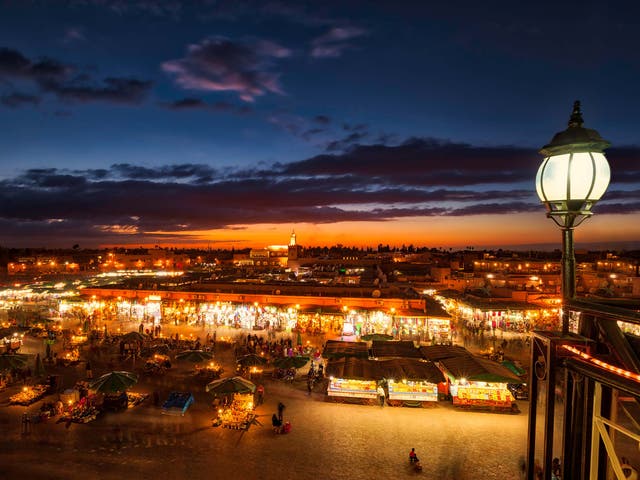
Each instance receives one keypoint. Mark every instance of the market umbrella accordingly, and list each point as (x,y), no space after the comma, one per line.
(114,382)
(11,362)
(252,360)
(231,385)
(290,362)
(377,337)
(514,368)
(194,356)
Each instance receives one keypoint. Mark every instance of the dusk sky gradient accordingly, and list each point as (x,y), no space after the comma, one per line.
(232,123)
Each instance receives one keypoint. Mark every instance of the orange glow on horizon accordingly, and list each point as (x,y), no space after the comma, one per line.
(481,231)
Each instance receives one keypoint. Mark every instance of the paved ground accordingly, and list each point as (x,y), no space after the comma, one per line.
(328,440)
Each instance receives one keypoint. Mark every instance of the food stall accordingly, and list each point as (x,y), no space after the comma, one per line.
(352,378)
(239,415)
(68,357)
(80,411)
(157,364)
(210,371)
(78,339)
(411,382)
(28,395)
(478,382)
(11,343)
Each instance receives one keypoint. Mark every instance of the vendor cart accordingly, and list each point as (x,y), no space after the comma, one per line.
(177,403)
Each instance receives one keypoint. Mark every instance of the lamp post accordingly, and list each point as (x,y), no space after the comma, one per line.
(571,179)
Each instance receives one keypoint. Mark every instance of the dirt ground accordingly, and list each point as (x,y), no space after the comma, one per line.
(328,440)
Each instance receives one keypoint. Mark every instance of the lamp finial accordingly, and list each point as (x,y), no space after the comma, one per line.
(576,116)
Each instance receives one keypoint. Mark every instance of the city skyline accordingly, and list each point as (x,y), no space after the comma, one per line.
(230,124)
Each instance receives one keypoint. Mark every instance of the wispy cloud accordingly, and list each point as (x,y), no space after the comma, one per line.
(334,42)
(219,64)
(73,35)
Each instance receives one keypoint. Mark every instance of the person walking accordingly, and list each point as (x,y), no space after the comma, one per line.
(259,395)
(88,371)
(281,408)
(381,395)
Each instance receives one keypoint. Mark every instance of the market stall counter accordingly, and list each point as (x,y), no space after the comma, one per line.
(353,379)
(479,383)
(411,382)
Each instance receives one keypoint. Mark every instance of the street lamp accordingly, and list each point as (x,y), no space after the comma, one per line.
(572,178)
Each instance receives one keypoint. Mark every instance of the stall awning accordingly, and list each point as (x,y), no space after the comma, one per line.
(438,352)
(410,313)
(435,308)
(320,310)
(395,348)
(354,368)
(338,349)
(400,369)
(478,369)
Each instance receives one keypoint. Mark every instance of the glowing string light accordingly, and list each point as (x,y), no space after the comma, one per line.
(601,364)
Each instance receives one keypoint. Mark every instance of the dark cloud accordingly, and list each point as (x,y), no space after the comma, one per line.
(54,77)
(354,128)
(14,64)
(221,65)
(173,172)
(191,103)
(426,162)
(312,132)
(418,178)
(315,130)
(19,99)
(346,142)
(112,89)
(186,104)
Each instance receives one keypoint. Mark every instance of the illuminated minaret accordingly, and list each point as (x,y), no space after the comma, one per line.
(293,248)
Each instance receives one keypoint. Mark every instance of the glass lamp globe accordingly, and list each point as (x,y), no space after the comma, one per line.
(574,174)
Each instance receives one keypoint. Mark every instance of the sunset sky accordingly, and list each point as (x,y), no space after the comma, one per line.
(232,123)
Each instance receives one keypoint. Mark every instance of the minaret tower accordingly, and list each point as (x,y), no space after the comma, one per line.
(293,247)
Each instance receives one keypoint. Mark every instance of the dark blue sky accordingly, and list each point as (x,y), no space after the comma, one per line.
(258,116)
